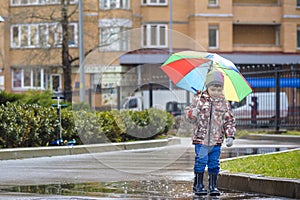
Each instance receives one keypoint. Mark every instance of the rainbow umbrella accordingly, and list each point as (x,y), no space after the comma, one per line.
(188,69)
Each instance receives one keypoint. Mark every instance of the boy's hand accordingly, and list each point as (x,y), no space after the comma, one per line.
(192,113)
(229,142)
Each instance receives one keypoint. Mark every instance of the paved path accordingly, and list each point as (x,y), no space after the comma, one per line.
(170,163)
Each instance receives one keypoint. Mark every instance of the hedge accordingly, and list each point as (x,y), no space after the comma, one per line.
(32,125)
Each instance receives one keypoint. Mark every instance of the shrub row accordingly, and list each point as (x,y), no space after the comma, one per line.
(34,125)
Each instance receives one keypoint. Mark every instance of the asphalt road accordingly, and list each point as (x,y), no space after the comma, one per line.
(163,166)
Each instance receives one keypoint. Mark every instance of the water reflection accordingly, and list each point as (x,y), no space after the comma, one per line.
(145,189)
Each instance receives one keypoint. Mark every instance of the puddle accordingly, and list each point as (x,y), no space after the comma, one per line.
(148,189)
(236,152)
(136,189)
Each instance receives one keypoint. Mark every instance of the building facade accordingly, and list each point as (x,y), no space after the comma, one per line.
(128,40)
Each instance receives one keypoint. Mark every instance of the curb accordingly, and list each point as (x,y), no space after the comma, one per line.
(34,152)
(255,183)
(259,184)
(274,137)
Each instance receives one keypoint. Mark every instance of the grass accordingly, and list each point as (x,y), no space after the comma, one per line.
(241,133)
(283,165)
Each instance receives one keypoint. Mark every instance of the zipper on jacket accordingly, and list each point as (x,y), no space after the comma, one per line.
(210,122)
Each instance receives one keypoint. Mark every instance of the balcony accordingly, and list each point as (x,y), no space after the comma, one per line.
(256,38)
(256,12)
(256,2)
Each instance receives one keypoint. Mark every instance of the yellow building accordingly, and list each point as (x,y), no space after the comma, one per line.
(129,39)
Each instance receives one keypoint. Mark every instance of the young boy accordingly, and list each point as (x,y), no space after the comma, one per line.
(212,118)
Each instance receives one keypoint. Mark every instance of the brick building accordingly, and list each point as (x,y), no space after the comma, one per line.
(131,38)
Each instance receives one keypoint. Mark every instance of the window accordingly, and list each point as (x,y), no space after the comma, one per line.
(213,2)
(41,35)
(114,39)
(72,34)
(114,34)
(132,103)
(298,37)
(55,82)
(298,3)
(96,82)
(213,33)
(114,4)
(277,35)
(29,78)
(154,35)
(38,2)
(155,2)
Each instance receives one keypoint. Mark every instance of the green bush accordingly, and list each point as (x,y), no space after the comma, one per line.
(68,125)
(81,106)
(86,128)
(9,97)
(42,98)
(111,125)
(32,125)
(147,124)
(26,125)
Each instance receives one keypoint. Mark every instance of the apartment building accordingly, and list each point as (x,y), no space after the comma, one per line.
(128,40)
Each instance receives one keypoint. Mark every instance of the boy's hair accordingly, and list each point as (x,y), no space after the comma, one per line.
(216,85)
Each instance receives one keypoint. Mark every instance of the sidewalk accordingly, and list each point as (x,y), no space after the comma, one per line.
(240,182)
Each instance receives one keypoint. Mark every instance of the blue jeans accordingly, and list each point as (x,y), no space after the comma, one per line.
(207,155)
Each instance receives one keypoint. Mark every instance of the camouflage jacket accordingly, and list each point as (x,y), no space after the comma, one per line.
(213,119)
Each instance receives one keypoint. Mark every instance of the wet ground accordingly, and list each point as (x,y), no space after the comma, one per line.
(154,189)
(154,174)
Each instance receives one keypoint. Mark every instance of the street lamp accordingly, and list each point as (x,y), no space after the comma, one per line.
(59,106)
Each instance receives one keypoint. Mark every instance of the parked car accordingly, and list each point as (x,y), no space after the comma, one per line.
(175,108)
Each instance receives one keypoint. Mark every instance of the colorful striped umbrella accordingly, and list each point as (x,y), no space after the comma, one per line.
(188,69)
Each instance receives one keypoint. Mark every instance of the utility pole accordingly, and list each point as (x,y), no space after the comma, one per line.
(81,53)
(171,35)
(171,28)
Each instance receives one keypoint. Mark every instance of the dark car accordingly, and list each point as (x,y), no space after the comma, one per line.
(175,108)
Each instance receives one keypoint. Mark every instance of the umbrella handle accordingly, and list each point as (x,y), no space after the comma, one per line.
(197,91)
(194,89)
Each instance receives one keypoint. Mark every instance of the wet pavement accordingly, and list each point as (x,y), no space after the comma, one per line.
(155,189)
(154,173)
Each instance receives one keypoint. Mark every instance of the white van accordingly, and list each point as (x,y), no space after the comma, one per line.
(266,108)
(140,100)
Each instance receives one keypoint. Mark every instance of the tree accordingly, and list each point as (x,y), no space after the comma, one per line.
(65,53)
(58,38)
(63,14)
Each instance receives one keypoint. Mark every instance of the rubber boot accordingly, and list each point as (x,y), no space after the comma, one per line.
(198,188)
(213,190)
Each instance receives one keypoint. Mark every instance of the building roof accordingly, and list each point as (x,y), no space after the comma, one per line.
(137,58)
(277,59)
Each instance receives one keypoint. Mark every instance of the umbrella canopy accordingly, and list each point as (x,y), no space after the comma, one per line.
(188,69)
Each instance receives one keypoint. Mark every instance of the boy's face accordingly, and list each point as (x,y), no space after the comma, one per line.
(215,91)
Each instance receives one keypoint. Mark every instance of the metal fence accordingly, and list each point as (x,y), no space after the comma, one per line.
(274,103)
